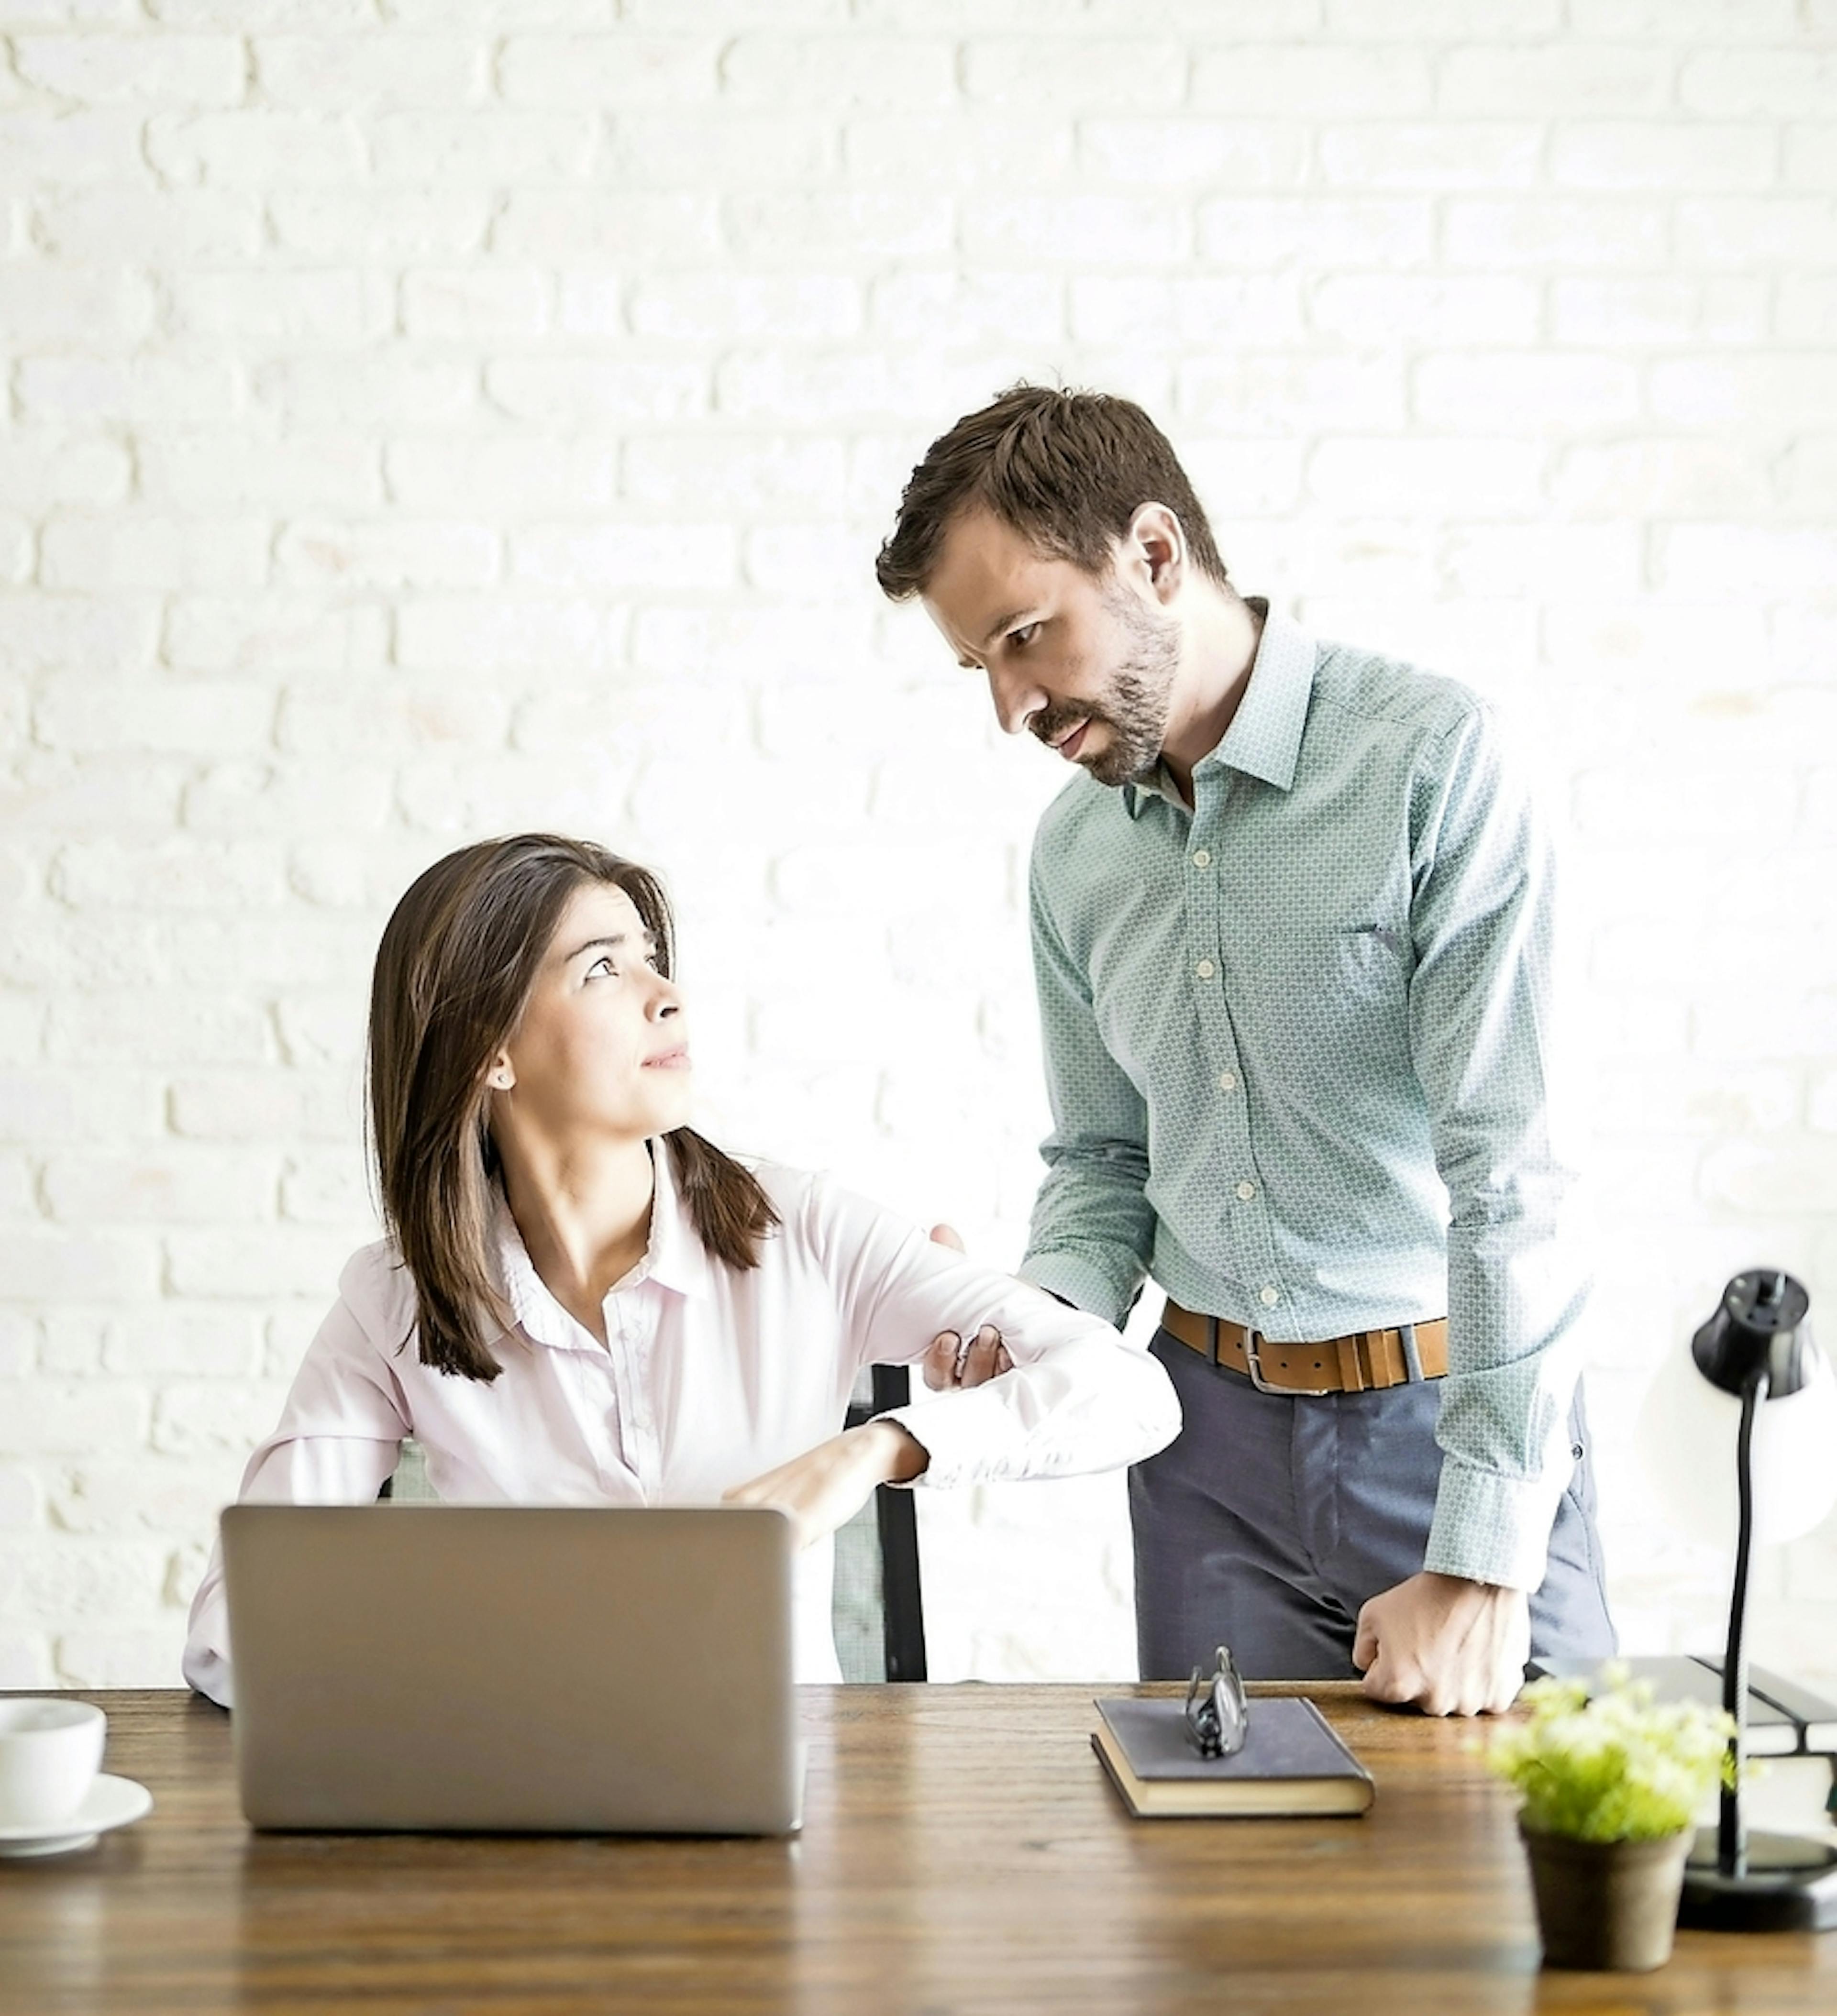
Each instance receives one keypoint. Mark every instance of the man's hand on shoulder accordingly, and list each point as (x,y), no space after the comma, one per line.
(952,1363)
(1451,1646)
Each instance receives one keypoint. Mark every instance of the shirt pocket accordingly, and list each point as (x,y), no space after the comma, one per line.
(1330,1006)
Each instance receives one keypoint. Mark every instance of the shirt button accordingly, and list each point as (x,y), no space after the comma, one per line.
(1269,1298)
(1227,1081)
(1205,969)
(1246,1191)
(1202,858)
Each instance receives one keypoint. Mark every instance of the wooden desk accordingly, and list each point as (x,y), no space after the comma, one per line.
(962,1852)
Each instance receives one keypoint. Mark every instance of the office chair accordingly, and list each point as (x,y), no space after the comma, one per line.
(878,1606)
(877,1574)
(409,1485)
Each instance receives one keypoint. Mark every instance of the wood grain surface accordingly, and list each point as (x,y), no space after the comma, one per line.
(962,1852)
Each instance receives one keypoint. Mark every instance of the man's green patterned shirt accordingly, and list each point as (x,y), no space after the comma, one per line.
(1297,1045)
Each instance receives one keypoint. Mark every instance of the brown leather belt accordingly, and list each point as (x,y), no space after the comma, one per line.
(1366,1360)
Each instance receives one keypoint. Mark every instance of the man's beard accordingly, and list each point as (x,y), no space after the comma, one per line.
(1135,701)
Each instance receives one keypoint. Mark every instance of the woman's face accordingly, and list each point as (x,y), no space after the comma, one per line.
(602,1048)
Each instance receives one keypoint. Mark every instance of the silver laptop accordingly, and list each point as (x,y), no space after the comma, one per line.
(513,1670)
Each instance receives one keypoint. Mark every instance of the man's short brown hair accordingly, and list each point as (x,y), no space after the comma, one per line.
(1068,470)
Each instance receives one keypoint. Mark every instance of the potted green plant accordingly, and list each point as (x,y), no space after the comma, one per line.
(1612,1783)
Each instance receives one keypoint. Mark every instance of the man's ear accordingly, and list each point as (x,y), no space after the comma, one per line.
(1157,542)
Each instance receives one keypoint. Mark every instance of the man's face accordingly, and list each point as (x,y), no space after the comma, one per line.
(1085,663)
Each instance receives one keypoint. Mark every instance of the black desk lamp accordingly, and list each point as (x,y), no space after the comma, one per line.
(1758,1347)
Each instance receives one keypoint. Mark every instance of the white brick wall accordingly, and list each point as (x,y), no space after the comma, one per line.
(428,417)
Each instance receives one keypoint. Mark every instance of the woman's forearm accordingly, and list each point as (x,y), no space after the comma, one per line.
(905,1456)
(825,1487)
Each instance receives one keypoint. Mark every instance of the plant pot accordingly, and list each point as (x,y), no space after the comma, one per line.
(1606,1903)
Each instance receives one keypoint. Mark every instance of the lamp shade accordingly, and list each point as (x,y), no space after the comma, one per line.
(1687,1442)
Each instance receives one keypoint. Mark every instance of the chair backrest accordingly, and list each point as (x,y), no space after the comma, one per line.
(879,1604)
(410,1484)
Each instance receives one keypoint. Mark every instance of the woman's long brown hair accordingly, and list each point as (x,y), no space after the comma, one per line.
(453,975)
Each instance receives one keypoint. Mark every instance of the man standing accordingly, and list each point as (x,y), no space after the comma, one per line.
(1292,938)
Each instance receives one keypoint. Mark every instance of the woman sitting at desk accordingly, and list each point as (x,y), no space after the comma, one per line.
(563,1315)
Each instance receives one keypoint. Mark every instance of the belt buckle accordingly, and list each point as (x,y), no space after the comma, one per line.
(1253,1364)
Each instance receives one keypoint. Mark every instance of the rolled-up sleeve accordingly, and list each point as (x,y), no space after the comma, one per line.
(1080,1397)
(338,1436)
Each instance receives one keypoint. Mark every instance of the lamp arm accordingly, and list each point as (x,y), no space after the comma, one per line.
(1731,1842)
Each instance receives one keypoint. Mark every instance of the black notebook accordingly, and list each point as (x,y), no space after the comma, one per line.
(1784,1720)
(1291,1762)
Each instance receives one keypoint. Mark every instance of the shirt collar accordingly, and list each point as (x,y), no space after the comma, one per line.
(673,1259)
(1264,738)
(677,1259)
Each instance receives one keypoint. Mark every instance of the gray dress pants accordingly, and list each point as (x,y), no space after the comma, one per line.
(1269,1520)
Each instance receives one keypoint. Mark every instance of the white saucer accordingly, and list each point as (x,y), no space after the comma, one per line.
(109,1802)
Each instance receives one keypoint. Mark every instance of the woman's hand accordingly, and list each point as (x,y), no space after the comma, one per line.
(825,1487)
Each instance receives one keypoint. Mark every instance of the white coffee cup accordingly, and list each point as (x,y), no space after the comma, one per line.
(50,1752)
